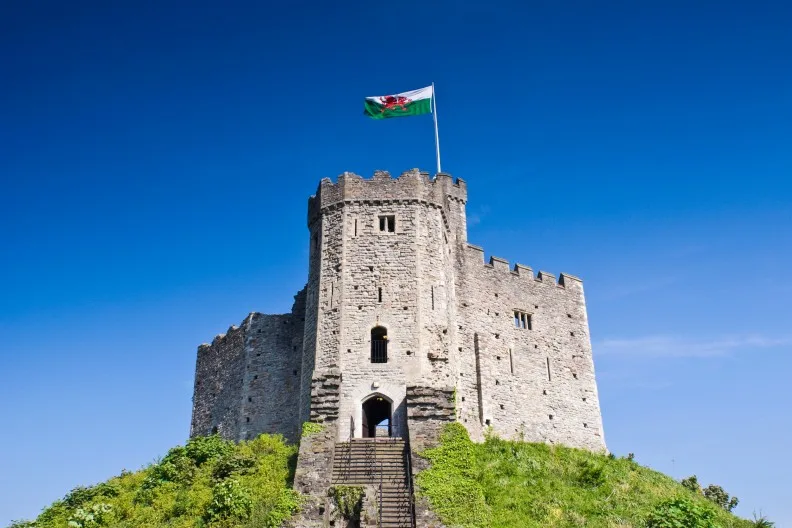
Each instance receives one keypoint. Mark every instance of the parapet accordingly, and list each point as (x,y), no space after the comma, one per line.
(501,265)
(410,185)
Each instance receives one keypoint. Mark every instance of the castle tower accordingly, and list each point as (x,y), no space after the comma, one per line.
(381,295)
(402,326)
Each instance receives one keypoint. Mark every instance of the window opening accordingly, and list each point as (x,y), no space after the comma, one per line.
(355,226)
(379,344)
(379,294)
(549,378)
(511,361)
(432,297)
(522,320)
(387,223)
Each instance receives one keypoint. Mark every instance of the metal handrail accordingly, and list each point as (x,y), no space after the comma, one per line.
(408,455)
(381,470)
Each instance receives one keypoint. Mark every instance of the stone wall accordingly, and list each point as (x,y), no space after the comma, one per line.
(535,383)
(217,393)
(248,379)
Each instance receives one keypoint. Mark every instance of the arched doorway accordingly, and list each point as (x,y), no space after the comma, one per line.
(377,417)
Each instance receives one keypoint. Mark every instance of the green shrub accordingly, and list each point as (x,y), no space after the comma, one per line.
(718,495)
(91,517)
(681,513)
(349,500)
(233,463)
(762,522)
(204,448)
(81,495)
(592,474)
(692,484)
(230,500)
(309,428)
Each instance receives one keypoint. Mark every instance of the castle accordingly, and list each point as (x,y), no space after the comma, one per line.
(401,327)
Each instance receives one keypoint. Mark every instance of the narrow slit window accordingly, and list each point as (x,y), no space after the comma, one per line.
(522,320)
(387,224)
(379,294)
(355,226)
(511,361)
(549,377)
(432,297)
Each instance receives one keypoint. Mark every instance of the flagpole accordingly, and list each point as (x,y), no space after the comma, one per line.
(437,137)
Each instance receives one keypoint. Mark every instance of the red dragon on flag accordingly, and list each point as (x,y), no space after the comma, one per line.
(391,102)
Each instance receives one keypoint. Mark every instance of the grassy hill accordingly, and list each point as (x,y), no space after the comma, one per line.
(212,483)
(207,483)
(502,484)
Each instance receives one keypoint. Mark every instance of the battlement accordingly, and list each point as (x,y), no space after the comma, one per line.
(502,266)
(382,187)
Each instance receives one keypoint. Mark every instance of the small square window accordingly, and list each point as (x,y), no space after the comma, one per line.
(387,224)
(522,320)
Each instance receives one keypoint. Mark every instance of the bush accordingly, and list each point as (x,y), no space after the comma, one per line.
(349,500)
(309,428)
(719,496)
(591,474)
(233,463)
(762,522)
(204,448)
(230,500)
(692,484)
(96,515)
(681,513)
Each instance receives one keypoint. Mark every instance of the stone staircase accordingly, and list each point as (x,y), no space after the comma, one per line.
(375,462)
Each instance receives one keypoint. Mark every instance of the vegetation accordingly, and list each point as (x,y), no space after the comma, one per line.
(504,484)
(310,428)
(349,500)
(209,483)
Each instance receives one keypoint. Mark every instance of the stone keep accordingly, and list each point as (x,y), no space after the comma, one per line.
(402,322)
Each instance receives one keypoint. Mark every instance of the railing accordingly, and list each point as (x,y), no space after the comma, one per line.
(379,350)
(381,471)
(411,504)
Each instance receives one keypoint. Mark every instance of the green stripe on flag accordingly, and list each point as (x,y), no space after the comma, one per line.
(382,111)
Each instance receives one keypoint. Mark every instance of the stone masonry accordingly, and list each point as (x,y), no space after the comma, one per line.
(507,347)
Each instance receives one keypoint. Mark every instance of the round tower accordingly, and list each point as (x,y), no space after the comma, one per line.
(380,306)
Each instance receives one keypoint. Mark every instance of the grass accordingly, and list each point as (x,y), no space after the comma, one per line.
(209,483)
(506,484)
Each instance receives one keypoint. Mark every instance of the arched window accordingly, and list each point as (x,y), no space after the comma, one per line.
(379,344)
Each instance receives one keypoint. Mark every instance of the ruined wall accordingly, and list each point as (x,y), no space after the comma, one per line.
(534,383)
(247,380)
(217,392)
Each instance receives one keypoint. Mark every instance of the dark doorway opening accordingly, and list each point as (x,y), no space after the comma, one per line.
(377,417)
(379,344)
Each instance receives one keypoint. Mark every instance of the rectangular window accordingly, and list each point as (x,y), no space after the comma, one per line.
(387,224)
(511,361)
(522,320)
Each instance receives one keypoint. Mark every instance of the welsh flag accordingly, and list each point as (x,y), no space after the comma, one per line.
(415,102)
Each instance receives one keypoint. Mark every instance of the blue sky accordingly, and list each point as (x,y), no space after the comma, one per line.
(156,161)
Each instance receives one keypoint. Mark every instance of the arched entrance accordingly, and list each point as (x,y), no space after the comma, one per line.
(377,417)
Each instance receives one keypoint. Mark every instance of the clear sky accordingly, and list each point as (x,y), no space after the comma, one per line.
(156,161)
